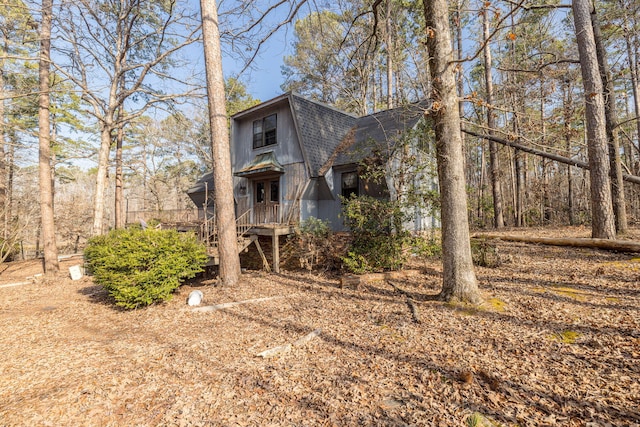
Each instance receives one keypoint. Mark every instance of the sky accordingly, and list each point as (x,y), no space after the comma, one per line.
(263,81)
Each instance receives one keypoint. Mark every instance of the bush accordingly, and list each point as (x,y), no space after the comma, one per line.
(426,246)
(140,267)
(379,241)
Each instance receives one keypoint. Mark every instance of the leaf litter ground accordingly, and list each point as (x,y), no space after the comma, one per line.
(557,342)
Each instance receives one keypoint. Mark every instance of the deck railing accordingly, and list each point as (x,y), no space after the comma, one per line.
(206,227)
(166,216)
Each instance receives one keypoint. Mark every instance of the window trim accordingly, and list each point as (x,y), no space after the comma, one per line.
(265,137)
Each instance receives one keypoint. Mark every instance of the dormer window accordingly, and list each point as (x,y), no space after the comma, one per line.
(264,131)
(350,185)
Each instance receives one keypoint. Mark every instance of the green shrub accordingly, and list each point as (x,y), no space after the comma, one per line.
(140,267)
(426,247)
(379,241)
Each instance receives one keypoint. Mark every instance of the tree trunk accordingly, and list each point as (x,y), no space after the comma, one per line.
(459,279)
(633,71)
(611,117)
(101,179)
(119,190)
(567,114)
(4,205)
(51,265)
(602,222)
(518,209)
(389,43)
(545,209)
(494,166)
(482,186)
(119,178)
(222,177)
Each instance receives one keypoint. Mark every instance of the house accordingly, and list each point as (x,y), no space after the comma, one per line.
(292,159)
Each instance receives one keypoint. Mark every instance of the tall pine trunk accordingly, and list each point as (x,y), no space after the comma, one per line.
(568,110)
(5,199)
(611,116)
(459,279)
(494,166)
(51,265)
(222,177)
(389,43)
(602,221)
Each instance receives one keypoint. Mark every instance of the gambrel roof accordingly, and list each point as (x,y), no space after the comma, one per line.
(375,130)
(319,127)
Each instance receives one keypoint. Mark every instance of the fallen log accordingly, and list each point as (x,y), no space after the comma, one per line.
(216,307)
(282,349)
(305,339)
(579,242)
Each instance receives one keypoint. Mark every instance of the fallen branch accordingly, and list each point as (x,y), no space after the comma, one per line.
(611,245)
(282,349)
(305,339)
(556,157)
(209,308)
(350,279)
(8,285)
(409,300)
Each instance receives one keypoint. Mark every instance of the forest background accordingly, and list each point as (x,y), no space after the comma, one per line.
(131,74)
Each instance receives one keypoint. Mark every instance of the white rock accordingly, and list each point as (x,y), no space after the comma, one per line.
(195,298)
(75,272)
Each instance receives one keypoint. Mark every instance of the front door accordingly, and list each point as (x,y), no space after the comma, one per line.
(267,200)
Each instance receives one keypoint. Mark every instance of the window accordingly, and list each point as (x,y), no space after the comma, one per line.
(260,192)
(268,191)
(350,184)
(264,131)
(275,189)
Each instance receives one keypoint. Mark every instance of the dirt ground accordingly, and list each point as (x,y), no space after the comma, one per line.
(557,342)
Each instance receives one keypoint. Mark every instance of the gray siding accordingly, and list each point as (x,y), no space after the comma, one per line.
(287,150)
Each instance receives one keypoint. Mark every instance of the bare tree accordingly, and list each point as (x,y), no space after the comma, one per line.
(222,177)
(51,265)
(125,41)
(459,279)
(602,222)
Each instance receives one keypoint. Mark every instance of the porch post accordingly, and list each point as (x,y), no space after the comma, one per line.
(275,243)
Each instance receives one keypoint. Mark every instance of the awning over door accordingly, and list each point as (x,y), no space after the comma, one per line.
(263,164)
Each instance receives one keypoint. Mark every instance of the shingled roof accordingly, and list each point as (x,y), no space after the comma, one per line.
(371,131)
(320,128)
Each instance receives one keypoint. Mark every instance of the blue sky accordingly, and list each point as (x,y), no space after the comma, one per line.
(264,80)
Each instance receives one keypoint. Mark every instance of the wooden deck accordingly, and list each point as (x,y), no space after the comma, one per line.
(205,229)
